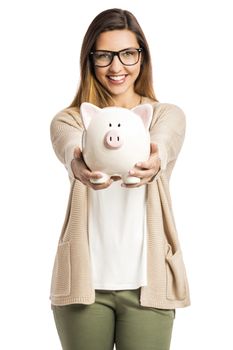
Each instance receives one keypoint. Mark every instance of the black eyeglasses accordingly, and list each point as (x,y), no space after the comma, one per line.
(128,57)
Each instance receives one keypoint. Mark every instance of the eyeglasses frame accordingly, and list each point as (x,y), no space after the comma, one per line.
(116,53)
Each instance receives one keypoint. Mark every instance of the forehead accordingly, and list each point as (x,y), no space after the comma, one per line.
(116,40)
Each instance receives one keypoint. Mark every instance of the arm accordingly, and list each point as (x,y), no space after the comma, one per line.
(168,131)
(66,136)
(167,134)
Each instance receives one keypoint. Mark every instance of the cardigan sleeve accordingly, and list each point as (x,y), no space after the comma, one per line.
(66,134)
(167,131)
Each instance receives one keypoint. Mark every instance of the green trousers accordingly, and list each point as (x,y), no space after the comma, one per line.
(117,318)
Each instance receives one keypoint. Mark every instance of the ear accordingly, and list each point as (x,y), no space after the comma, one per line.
(144,111)
(88,111)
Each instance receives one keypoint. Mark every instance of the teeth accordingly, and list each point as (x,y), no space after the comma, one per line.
(116,77)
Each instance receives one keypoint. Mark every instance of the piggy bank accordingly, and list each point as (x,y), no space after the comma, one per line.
(115,139)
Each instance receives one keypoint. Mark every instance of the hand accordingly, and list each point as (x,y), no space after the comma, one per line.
(148,169)
(84,174)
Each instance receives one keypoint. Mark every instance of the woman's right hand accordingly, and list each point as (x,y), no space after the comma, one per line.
(82,172)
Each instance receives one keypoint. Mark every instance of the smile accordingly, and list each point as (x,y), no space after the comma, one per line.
(117,78)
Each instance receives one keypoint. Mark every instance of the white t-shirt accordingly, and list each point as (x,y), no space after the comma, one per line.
(117,237)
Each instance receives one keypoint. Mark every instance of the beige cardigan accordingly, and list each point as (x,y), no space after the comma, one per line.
(167,286)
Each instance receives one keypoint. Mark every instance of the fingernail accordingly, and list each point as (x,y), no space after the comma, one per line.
(139,164)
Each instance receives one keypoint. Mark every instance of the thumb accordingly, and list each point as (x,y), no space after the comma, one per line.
(77,153)
(153,148)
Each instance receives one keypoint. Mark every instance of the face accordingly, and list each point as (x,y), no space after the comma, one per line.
(117,78)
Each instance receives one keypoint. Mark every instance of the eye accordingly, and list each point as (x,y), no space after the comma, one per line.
(119,125)
(102,55)
(110,125)
(129,53)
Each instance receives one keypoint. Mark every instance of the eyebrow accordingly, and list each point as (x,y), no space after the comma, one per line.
(127,48)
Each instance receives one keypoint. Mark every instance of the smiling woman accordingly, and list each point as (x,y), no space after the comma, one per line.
(114,30)
(118,273)
(117,77)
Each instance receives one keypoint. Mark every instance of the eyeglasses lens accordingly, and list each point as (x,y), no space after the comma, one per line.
(127,57)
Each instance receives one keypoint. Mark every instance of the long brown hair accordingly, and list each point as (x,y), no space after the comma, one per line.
(90,90)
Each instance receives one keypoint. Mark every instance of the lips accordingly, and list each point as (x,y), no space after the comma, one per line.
(117,79)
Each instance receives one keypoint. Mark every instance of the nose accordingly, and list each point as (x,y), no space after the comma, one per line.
(113,139)
(116,64)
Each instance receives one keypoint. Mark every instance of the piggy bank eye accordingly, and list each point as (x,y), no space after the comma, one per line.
(110,125)
(119,125)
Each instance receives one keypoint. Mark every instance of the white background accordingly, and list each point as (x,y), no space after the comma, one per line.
(191,46)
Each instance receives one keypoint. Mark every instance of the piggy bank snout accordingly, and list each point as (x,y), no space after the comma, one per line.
(113,139)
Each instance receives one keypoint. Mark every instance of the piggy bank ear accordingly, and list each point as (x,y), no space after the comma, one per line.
(88,111)
(144,111)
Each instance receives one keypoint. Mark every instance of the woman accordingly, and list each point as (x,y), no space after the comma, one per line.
(118,274)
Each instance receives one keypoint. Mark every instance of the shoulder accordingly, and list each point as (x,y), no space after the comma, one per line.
(167,107)
(162,108)
(167,114)
(168,111)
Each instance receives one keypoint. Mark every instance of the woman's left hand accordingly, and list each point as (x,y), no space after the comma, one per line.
(146,170)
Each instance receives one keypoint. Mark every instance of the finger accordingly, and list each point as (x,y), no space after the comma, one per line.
(142,173)
(141,183)
(87,175)
(151,163)
(101,186)
(94,175)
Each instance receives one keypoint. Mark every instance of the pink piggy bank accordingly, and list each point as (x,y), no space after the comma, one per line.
(115,139)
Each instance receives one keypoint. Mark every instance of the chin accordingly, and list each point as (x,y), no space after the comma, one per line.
(118,90)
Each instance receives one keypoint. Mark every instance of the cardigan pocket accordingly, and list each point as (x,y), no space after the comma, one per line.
(176,281)
(61,276)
